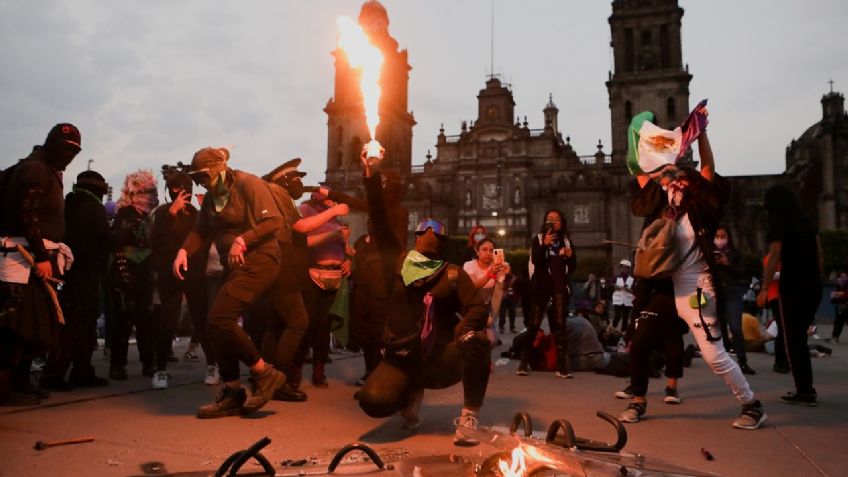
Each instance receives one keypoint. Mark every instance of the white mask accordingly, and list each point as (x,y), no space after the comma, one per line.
(720,243)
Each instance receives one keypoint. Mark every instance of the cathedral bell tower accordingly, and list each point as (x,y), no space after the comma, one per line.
(346,128)
(648,73)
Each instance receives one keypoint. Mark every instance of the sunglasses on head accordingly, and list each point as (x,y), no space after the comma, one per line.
(427,224)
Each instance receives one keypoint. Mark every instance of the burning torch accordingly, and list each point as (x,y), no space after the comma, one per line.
(368,59)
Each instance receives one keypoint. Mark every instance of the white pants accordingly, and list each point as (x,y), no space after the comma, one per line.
(686,283)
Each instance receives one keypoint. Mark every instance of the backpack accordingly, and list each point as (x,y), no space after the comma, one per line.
(657,254)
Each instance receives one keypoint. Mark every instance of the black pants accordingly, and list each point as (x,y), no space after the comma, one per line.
(622,314)
(318,303)
(839,320)
(171,291)
(798,309)
(242,286)
(368,314)
(389,387)
(780,358)
(81,306)
(656,327)
(556,321)
(286,328)
(507,306)
(133,307)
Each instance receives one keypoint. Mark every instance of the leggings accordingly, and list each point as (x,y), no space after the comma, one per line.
(655,327)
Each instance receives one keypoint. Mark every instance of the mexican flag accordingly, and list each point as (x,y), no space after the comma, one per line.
(650,147)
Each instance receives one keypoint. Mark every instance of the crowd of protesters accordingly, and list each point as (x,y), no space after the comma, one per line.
(262,277)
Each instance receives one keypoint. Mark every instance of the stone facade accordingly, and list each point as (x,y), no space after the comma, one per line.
(501,173)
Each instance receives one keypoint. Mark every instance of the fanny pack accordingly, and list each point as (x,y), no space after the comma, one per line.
(328,279)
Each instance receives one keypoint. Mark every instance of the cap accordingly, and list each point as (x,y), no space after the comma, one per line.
(64,133)
(287,169)
(209,157)
(626,263)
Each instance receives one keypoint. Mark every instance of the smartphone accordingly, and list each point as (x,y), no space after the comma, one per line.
(499,255)
(549,226)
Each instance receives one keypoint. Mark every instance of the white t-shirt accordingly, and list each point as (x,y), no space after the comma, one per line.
(685,236)
(472,268)
(624,296)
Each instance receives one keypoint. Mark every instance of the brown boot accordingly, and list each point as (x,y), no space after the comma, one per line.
(265,383)
(319,380)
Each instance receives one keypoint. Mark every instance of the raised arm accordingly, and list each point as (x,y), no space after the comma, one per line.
(706,153)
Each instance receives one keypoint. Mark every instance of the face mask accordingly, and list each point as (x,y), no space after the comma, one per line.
(479,237)
(720,243)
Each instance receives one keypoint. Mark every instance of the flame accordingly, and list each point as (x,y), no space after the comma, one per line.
(368,59)
(517,468)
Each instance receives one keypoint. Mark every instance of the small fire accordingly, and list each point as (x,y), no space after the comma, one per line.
(517,468)
(368,59)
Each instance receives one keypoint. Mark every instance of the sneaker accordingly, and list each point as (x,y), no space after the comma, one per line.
(802,399)
(160,380)
(264,385)
(747,369)
(564,375)
(635,410)
(781,368)
(626,393)
(229,402)
(466,422)
(671,396)
(753,416)
(523,370)
(212,376)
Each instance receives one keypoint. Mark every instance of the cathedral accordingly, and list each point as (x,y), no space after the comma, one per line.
(502,173)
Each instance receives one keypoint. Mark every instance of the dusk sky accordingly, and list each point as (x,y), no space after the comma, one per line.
(151,82)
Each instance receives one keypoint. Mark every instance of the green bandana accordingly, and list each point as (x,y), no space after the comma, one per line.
(416,266)
(220,191)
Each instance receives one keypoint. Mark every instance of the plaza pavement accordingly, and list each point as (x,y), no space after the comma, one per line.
(134,425)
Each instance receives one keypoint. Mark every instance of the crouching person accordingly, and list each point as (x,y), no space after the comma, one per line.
(427,346)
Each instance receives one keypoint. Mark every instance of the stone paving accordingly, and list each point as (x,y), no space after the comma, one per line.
(135,426)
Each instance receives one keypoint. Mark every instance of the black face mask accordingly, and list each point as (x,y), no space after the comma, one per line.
(294,188)
(60,155)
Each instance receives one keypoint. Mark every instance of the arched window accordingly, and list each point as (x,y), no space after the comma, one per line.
(629,50)
(339,135)
(670,108)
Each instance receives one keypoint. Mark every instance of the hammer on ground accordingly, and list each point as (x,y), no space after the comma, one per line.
(42,445)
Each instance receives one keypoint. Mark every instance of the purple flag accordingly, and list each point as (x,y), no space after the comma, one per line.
(692,127)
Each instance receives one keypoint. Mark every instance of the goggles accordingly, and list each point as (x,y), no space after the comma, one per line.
(426,224)
(200,176)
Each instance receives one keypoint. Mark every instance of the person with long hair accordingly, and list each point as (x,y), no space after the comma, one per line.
(734,284)
(794,240)
(475,235)
(695,200)
(553,259)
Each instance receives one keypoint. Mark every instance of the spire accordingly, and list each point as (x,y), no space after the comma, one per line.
(551,104)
